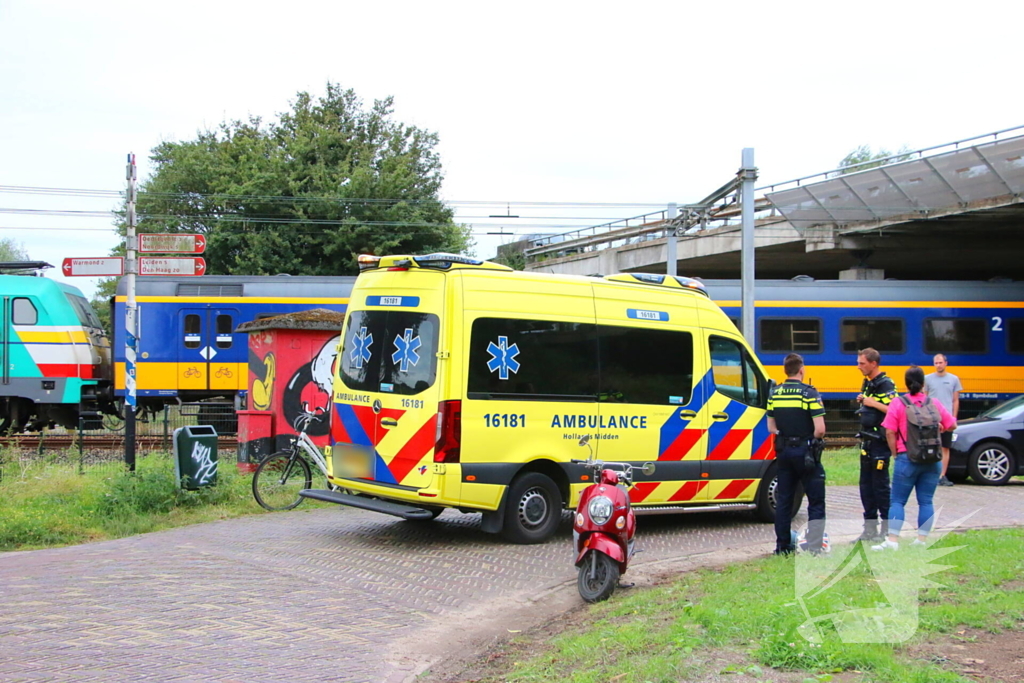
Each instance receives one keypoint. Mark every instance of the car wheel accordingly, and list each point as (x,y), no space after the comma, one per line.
(766,496)
(532,510)
(991,464)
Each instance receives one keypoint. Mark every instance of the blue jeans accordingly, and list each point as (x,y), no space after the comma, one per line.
(924,479)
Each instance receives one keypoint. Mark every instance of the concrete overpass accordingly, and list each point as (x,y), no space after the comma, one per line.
(955,211)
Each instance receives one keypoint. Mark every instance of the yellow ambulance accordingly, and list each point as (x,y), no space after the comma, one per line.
(463,384)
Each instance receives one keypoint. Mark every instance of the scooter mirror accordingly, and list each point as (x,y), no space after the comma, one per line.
(648,468)
(585,440)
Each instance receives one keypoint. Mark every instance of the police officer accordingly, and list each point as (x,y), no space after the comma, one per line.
(797,418)
(876,393)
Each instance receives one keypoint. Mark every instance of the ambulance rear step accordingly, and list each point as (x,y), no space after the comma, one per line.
(679,509)
(387,507)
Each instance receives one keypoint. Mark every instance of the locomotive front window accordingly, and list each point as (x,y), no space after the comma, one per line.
(24,312)
(955,335)
(224,331)
(799,335)
(193,331)
(884,335)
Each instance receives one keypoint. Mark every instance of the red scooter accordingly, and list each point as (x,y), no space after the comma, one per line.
(603,527)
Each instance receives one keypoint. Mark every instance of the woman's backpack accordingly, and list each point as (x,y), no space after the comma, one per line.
(923,444)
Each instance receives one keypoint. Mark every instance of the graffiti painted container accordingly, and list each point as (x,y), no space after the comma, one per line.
(195,456)
(291,368)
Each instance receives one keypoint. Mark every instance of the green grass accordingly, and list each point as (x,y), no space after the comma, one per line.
(745,615)
(48,503)
(842,466)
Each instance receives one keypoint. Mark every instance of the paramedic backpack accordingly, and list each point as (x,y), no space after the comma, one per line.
(922,441)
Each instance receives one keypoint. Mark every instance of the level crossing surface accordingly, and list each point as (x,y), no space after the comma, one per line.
(335,594)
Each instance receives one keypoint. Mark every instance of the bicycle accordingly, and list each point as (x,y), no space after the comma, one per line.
(280,476)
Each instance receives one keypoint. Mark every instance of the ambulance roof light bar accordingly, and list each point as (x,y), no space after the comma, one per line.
(673,281)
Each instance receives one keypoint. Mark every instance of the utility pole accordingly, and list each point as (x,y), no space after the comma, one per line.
(672,241)
(747,176)
(131,330)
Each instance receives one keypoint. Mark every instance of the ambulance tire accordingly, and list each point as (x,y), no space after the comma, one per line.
(765,511)
(533,509)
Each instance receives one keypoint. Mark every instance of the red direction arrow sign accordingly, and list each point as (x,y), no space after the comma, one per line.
(150,265)
(171,243)
(92,267)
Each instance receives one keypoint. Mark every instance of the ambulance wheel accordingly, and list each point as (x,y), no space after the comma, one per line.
(532,510)
(435,512)
(766,496)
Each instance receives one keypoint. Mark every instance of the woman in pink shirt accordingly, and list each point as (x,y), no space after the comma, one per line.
(907,475)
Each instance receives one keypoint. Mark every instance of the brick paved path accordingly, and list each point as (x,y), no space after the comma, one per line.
(321,594)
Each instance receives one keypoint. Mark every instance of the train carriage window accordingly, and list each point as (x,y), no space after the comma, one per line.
(1015,335)
(955,335)
(224,338)
(193,331)
(799,335)
(884,335)
(24,312)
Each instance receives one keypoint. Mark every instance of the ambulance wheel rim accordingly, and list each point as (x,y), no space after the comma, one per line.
(533,508)
(773,493)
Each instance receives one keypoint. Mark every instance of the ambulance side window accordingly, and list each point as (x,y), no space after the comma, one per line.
(389,351)
(645,366)
(735,373)
(532,360)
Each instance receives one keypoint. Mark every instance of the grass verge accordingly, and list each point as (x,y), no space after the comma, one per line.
(742,622)
(48,503)
(842,466)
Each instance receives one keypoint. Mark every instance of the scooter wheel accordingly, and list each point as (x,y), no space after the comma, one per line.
(605,572)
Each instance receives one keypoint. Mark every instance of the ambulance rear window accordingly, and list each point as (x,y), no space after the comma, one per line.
(389,351)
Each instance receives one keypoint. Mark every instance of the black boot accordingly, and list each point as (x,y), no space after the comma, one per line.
(870,532)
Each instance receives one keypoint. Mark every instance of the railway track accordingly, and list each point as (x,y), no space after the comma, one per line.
(106,442)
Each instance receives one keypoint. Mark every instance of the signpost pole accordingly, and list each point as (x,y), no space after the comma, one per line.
(747,176)
(131,331)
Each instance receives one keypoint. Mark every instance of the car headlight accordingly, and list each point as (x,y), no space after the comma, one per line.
(600,509)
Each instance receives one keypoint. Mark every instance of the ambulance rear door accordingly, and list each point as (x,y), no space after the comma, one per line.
(738,438)
(650,397)
(387,403)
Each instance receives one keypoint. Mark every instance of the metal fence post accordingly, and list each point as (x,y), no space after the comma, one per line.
(165,444)
(81,445)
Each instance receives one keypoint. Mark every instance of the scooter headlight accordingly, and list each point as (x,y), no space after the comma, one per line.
(600,509)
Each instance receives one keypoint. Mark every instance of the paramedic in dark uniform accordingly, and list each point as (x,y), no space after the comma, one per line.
(876,393)
(797,419)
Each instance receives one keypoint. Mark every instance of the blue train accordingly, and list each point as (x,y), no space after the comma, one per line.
(188,349)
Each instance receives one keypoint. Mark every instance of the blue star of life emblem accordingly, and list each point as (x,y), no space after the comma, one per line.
(503,357)
(361,350)
(406,354)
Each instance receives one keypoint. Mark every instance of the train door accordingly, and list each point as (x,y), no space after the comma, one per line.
(205,349)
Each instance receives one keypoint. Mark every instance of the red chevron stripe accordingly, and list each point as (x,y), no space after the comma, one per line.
(682,445)
(735,489)
(728,445)
(641,490)
(766,450)
(414,450)
(688,491)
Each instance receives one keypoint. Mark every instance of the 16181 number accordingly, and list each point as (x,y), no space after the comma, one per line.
(505,420)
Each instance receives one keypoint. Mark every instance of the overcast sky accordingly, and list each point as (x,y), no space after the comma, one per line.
(572,102)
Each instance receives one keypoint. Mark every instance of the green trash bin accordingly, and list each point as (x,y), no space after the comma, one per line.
(195,456)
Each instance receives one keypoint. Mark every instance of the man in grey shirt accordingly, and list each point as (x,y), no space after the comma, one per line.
(945,388)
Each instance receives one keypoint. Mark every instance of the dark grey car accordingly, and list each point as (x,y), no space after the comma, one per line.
(990,447)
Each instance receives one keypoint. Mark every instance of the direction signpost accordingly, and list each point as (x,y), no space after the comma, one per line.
(164,243)
(92,267)
(152,265)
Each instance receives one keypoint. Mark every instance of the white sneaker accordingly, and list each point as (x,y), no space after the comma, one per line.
(918,543)
(886,545)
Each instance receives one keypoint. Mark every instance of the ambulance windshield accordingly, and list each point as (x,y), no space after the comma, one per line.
(390,351)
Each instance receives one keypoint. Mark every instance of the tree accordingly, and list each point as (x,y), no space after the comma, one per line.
(12,251)
(305,194)
(863,154)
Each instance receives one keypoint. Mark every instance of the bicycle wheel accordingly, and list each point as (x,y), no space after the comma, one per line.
(278,480)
